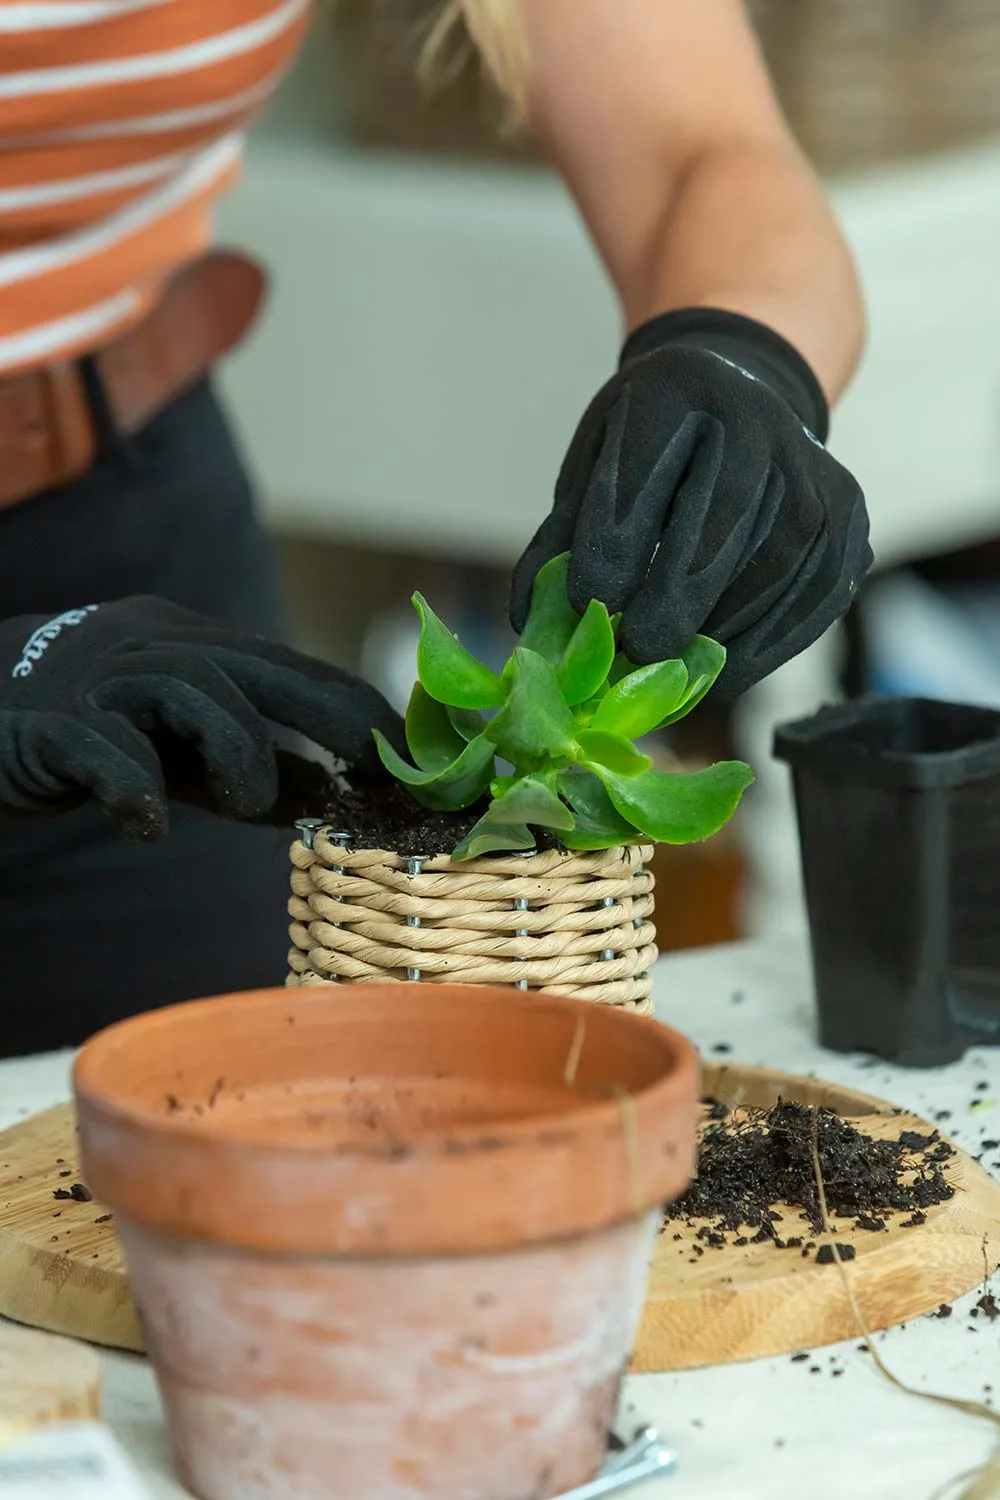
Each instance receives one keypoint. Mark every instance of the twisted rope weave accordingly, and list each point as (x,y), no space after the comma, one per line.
(581,926)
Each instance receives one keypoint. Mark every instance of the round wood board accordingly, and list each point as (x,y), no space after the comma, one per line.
(744,1302)
(61,1266)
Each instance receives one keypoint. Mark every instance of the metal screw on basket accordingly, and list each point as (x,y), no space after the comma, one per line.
(414,866)
(608,954)
(521,904)
(341,840)
(307,829)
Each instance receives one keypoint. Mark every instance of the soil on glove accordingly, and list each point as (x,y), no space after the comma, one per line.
(755,1166)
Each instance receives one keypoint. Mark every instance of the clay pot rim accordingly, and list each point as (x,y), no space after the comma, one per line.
(592,1113)
(454,1190)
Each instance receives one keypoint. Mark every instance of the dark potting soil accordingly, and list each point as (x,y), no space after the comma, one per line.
(79,1192)
(754,1165)
(381,814)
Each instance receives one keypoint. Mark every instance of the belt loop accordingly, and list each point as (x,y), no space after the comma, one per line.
(109,435)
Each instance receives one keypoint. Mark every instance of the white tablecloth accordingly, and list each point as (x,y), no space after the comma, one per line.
(767,1429)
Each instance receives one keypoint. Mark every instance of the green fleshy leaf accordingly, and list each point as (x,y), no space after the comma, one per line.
(587,659)
(434,742)
(620,667)
(449,672)
(704,660)
(599,825)
(467,722)
(641,701)
(614,752)
(501,786)
(455,786)
(488,838)
(551,619)
(535,723)
(531,800)
(679,807)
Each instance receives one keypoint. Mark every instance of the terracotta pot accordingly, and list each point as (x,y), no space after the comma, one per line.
(379,1244)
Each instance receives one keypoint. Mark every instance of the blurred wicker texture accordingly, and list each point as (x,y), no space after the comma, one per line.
(861,81)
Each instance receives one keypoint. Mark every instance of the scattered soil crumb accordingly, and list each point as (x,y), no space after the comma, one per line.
(826,1257)
(988,1306)
(800,1358)
(103,1218)
(944,1311)
(722,1047)
(79,1193)
(756,1165)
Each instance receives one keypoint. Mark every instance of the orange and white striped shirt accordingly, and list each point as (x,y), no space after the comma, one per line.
(121,122)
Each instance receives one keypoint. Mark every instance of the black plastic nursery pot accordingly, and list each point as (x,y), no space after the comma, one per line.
(898,804)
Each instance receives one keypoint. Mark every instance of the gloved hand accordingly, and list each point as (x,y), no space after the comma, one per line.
(107,700)
(697,496)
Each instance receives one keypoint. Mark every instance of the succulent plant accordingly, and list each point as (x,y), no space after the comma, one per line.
(566,712)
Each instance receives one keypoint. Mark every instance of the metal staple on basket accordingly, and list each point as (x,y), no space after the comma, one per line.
(578,924)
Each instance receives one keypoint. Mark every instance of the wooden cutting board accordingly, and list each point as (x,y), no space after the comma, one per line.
(744,1302)
(61,1266)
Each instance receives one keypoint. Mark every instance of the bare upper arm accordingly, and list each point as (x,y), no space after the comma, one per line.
(624,94)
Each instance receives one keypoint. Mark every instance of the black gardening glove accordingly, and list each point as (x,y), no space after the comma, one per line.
(697,496)
(125,701)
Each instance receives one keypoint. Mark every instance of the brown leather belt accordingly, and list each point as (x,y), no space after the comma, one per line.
(48,434)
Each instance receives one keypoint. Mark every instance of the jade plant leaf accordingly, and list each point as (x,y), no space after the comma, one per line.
(532,799)
(467,722)
(614,752)
(586,661)
(449,672)
(433,740)
(489,837)
(704,659)
(457,785)
(640,702)
(535,723)
(551,618)
(679,807)
(599,825)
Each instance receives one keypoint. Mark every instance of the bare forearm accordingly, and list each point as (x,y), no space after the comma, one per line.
(748,229)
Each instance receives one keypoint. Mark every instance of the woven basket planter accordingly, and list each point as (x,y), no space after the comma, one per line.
(559,923)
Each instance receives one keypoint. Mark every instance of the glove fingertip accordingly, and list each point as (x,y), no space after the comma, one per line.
(142,822)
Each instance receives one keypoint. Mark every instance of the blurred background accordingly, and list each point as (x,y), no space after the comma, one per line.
(439,321)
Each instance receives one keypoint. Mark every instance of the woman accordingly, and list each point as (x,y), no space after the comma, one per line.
(696,493)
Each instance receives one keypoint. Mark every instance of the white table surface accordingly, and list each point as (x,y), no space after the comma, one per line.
(752,1430)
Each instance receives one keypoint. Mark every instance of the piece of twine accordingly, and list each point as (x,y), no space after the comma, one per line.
(982,1483)
(626,1109)
(559,923)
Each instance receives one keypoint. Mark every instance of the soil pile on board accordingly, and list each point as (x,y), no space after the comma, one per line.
(756,1168)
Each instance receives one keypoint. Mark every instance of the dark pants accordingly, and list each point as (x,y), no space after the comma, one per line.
(92,927)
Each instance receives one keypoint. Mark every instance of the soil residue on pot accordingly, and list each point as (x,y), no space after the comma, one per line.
(755,1166)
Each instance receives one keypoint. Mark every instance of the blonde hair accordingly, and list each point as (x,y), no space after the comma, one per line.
(494,28)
